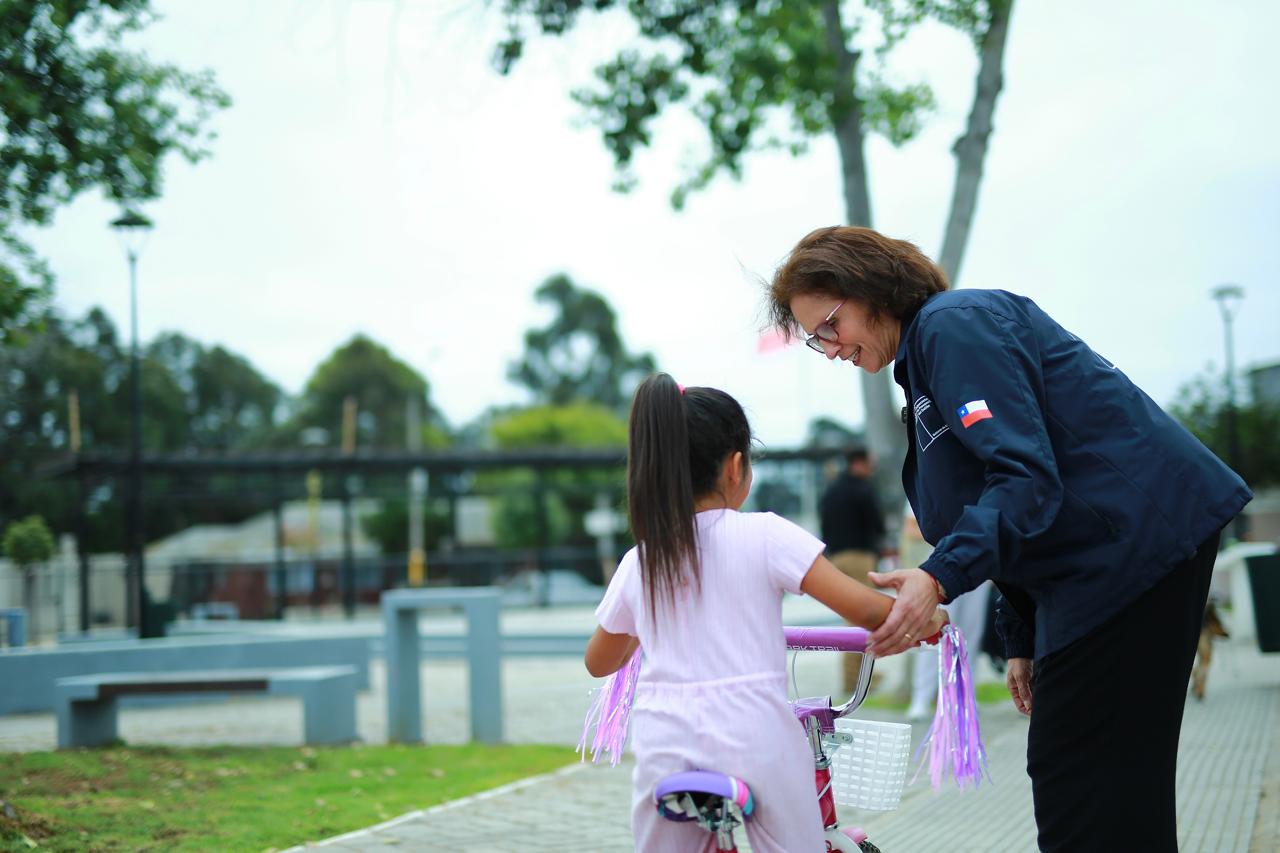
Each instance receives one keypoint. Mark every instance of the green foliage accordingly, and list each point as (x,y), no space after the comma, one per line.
(28,542)
(757,75)
(26,285)
(548,509)
(382,386)
(1201,406)
(193,397)
(225,402)
(579,355)
(829,432)
(81,112)
(389,526)
(573,425)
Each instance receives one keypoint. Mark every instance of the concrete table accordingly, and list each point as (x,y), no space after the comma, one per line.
(404,691)
(16,619)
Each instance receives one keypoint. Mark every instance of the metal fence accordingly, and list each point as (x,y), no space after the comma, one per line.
(266,589)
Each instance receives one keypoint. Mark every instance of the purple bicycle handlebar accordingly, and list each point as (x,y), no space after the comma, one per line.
(834,639)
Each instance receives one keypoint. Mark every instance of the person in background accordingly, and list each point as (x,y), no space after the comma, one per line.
(853,528)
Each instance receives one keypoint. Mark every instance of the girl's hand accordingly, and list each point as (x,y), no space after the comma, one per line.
(939,620)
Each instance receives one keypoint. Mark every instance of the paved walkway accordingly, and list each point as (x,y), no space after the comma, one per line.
(1228,791)
(1228,786)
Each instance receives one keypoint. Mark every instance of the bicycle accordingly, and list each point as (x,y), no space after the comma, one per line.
(721,803)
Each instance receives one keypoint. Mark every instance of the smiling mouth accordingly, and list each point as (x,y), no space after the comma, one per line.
(856,357)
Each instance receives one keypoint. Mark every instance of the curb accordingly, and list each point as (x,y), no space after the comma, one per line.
(442,807)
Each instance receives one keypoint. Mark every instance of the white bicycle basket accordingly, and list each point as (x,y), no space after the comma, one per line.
(870,772)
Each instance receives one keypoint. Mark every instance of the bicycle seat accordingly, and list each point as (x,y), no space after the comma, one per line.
(695,793)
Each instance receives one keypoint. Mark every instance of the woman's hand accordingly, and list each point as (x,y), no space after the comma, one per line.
(1018,678)
(909,619)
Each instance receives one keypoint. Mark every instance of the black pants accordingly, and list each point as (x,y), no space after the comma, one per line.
(1105,718)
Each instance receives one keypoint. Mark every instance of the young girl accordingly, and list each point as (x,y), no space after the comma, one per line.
(701,594)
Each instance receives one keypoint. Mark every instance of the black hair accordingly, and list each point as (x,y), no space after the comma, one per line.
(677,443)
(857,454)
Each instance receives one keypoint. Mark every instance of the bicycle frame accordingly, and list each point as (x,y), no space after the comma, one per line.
(818,722)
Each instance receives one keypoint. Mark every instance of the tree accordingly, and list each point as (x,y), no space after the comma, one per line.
(227,404)
(549,510)
(193,398)
(829,432)
(29,544)
(81,112)
(382,387)
(579,355)
(1201,406)
(768,75)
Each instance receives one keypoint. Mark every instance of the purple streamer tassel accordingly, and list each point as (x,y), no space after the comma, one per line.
(609,712)
(954,740)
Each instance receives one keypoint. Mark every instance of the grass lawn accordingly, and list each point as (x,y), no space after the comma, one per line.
(238,798)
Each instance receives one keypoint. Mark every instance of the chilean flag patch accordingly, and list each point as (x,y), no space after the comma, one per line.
(971,413)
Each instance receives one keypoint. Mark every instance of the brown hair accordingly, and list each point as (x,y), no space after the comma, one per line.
(678,440)
(891,277)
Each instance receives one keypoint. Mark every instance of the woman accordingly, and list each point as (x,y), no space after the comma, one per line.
(1033,462)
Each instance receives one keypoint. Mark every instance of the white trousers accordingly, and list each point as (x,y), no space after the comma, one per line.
(741,727)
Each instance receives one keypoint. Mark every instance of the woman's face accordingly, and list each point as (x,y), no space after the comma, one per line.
(867,341)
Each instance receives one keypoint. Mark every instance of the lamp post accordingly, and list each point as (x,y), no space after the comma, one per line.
(1229,297)
(132,228)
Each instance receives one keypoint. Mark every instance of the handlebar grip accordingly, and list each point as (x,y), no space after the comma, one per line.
(834,638)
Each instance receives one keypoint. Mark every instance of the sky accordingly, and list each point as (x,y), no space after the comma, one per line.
(375,175)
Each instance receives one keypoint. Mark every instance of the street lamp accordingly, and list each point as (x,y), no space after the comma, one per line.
(1229,297)
(133,228)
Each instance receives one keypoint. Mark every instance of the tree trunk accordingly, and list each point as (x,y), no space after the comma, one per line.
(971,148)
(847,120)
(885,436)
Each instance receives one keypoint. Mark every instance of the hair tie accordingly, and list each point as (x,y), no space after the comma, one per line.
(681,387)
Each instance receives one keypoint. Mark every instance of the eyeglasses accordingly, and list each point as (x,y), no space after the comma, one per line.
(824,331)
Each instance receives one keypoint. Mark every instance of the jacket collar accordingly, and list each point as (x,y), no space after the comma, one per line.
(904,338)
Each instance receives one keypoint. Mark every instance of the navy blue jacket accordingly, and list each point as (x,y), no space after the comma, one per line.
(1036,463)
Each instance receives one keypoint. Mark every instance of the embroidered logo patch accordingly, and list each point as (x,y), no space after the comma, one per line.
(972,412)
(929,423)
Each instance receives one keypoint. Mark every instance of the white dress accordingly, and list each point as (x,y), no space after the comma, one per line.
(712,691)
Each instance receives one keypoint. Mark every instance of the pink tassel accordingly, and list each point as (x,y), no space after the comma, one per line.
(609,712)
(955,737)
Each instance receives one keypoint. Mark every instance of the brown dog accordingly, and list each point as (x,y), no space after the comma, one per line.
(1210,627)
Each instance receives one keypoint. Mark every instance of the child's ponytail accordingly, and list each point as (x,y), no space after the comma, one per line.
(659,487)
(679,440)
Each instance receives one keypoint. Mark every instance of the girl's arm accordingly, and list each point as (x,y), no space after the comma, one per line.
(606,653)
(857,603)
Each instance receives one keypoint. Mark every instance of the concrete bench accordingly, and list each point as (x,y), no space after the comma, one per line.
(87,704)
(28,675)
